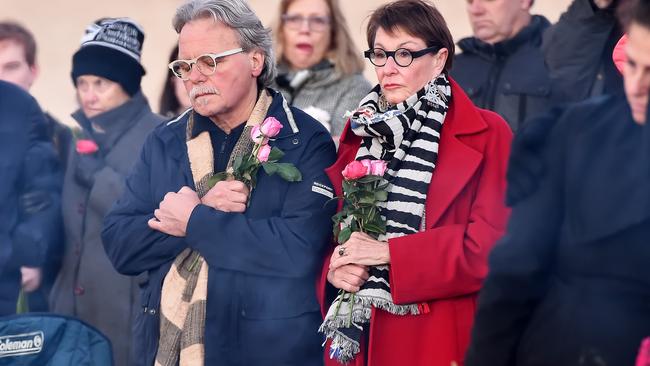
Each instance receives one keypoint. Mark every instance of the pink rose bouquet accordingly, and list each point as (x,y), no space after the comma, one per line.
(245,168)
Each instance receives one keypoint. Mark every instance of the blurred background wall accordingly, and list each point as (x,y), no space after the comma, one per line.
(59,24)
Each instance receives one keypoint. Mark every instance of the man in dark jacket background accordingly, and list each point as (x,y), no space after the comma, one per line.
(30,217)
(18,66)
(518,65)
(260,250)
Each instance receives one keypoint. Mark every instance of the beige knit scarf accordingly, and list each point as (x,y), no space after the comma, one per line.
(185,288)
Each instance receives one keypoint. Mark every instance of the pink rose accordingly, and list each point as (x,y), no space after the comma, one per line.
(263,153)
(271,127)
(354,170)
(643,358)
(257,137)
(86,147)
(367,163)
(378,167)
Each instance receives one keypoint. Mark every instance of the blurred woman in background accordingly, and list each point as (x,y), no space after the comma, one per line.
(174,99)
(320,69)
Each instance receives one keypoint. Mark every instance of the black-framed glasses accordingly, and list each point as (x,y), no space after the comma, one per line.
(206,64)
(402,56)
(314,22)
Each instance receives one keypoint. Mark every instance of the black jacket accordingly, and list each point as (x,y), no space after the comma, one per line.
(578,51)
(30,218)
(570,279)
(509,77)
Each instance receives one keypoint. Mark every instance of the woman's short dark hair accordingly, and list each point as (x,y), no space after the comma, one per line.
(417,18)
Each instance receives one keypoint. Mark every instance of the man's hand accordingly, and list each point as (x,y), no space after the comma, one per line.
(31,278)
(227,196)
(174,212)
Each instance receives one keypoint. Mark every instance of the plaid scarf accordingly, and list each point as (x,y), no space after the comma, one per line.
(185,288)
(407,136)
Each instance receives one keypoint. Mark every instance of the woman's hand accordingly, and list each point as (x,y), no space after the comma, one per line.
(349,277)
(360,249)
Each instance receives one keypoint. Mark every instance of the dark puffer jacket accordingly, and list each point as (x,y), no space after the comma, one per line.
(509,77)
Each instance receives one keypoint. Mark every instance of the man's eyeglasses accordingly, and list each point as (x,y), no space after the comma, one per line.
(315,23)
(402,56)
(206,64)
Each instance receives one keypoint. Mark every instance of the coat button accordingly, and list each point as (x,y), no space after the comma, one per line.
(507,86)
(295,141)
(79,291)
(152,311)
(243,312)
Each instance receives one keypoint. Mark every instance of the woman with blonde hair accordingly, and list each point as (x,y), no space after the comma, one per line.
(319,68)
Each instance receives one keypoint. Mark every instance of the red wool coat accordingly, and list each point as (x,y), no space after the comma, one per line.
(446,264)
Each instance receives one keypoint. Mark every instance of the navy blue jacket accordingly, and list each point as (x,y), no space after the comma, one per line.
(509,77)
(262,307)
(30,217)
(569,284)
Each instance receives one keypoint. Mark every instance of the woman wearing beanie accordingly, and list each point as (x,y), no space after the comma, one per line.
(114,117)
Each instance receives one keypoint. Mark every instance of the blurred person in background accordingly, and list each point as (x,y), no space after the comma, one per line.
(18,66)
(319,68)
(501,66)
(114,118)
(578,48)
(416,286)
(569,284)
(30,215)
(174,99)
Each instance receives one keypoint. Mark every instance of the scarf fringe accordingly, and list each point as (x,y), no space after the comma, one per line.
(343,348)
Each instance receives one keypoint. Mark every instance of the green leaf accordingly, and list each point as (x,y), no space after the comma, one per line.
(22,305)
(275,155)
(236,164)
(371,227)
(369,179)
(270,168)
(289,172)
(381,196)
(367,197)
(344,235)
(213,180)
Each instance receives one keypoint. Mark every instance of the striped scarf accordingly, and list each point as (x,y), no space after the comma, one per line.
(185,287)
(407,136)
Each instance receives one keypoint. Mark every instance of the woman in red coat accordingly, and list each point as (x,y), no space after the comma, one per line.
(415,287)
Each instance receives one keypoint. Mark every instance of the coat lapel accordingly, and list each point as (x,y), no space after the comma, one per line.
(457,161)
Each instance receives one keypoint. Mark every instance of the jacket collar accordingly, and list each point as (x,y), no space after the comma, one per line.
(532,33)
(106,128)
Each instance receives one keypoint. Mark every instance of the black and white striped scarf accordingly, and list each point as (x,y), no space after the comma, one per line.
(407,136)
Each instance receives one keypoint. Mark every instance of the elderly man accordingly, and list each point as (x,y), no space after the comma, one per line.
(231,271)
(570,282)
(115,119)
(502,67)
(505,67)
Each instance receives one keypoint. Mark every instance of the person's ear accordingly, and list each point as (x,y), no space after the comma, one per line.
(440,60)
(257,62)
